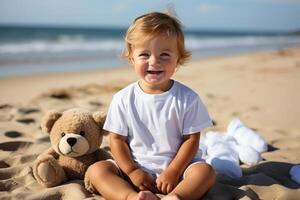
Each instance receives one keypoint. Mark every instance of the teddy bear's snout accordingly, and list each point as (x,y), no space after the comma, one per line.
(73,145)
(71,141)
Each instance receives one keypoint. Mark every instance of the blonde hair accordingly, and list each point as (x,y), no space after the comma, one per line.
(150,25)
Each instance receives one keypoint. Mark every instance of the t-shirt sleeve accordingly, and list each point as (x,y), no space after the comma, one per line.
(116,118)
(196,117)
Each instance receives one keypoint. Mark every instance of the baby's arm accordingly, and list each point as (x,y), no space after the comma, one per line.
(169,178)
(122,156)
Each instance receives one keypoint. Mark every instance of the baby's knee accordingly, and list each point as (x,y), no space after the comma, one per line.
(208,168)
(210,174)
(99,169)
(203,169)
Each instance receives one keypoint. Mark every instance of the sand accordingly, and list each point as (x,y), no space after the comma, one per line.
(261,89)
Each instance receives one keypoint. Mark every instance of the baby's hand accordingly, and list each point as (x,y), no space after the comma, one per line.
(167,181)
(142,180)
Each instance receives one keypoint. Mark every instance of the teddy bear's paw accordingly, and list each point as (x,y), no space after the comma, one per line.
(49,173)
(46,172)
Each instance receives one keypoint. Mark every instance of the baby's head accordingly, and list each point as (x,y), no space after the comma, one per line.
(151,25)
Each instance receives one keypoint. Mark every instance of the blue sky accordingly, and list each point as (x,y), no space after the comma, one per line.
(253,15)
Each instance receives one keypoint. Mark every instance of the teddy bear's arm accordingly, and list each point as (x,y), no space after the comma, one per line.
(53,153)
(49,152)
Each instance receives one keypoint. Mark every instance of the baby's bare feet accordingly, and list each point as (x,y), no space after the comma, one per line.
(171,197)
(147,195)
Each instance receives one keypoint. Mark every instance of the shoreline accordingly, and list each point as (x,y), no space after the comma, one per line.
(50,76)
(269,79)
(41,64)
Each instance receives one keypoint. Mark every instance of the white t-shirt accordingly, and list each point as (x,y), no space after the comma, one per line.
(155,123)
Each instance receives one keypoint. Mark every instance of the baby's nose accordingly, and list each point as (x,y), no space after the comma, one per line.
(153,60)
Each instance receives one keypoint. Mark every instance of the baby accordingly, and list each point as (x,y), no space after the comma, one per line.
(154,123)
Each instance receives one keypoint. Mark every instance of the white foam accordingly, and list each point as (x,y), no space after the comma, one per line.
(63,45)
(80,43)
(198,43)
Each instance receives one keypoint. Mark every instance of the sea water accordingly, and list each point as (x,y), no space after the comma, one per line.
(32,50)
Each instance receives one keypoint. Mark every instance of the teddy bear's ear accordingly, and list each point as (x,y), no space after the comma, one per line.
(49,119)
(99,118)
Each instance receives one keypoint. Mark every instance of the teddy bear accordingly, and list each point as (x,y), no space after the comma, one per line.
(75,135)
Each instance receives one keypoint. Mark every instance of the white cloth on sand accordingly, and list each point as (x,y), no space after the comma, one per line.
(248,155)
(246,136)
(224,150)
(224,159)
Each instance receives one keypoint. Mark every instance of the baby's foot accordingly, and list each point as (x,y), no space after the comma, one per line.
(171,197)
(147,195)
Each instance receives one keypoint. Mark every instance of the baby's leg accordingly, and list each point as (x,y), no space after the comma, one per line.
(104,177)
(199,178)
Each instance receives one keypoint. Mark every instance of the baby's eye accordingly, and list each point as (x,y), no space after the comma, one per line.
(164,55)
(144,55)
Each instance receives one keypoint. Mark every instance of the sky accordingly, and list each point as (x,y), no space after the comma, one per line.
(245,15)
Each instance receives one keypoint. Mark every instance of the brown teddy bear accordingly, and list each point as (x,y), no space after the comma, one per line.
(75,136)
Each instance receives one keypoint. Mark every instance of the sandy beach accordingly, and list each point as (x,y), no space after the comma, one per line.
(261,89)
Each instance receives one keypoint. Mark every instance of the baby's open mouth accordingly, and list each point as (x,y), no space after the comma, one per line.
(154,72)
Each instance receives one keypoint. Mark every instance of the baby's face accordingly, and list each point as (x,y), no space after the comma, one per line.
(155,61)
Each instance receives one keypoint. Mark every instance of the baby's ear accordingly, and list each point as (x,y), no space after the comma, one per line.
(99,118)
(131,60)
(49,119)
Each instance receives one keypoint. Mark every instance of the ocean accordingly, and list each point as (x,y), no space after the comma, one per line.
(40,50)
